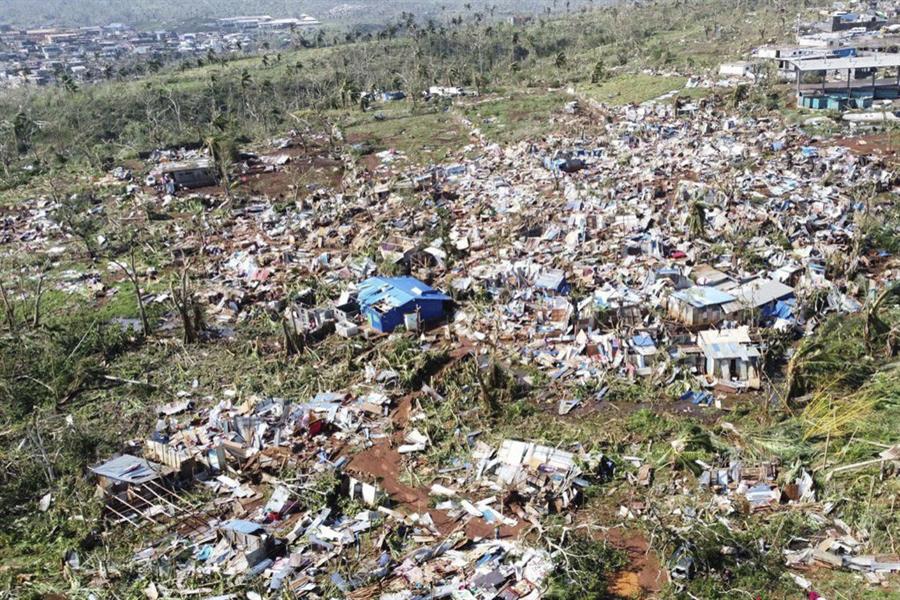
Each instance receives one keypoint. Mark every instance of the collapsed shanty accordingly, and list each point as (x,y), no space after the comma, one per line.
(613,260)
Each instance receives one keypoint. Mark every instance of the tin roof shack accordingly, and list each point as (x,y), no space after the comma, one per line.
(643,354)
(553,280)
(249,542)
(698,305)
(731,357)
(759,300)
(308,324)
(130,485)
(188,174)
(618,307)
(388,302)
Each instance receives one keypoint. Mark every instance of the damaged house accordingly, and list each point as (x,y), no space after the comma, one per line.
(760,298)
(131,484)
(730,356)
(388,302)
(244,544)
(699,305)
(188,174)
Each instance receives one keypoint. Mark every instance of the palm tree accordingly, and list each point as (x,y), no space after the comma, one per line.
(560,61)
(69,83)
(245,83)
(599,73)
(222,150)
(24,129)
(696,221)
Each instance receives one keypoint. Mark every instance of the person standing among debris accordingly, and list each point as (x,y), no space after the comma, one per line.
(169,183)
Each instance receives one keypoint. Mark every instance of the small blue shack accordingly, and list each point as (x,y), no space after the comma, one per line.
(385,300)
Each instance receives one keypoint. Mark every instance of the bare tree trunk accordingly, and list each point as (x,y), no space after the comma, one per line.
(9,309)
(145,323)
(190,312)
(132,274)
(36,315)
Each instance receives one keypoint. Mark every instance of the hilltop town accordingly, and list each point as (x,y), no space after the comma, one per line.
(57,55)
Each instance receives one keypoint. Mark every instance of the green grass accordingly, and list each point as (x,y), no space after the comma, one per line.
(632,88)
(517,116)
(424,137)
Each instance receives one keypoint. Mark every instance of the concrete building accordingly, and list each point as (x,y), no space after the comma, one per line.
(848,91)
(845,21)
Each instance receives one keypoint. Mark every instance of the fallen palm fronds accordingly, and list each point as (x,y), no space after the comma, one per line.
(832,414)
(835,357)
(878,330)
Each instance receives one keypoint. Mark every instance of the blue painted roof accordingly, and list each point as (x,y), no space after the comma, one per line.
(396,291)
(643,341)
(701,295)
(245,527)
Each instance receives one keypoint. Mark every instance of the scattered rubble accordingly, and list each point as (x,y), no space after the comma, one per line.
(663,248)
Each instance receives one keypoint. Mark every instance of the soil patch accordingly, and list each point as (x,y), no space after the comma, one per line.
(643,577)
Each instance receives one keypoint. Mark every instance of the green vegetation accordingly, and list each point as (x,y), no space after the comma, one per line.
(585,568)
(74,386)
(633,89)
(156,13)
(516,116)
(423,136)
(94,126)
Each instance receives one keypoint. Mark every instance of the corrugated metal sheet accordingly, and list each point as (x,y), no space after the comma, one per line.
(395,291)
(129,469)
(760,292)
(700,296)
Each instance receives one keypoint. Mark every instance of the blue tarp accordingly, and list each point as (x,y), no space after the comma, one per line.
(701,398)
(782,309)
(643,341)
(245,527)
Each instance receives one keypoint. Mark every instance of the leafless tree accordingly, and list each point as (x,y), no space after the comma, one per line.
(131,272)
(185,302)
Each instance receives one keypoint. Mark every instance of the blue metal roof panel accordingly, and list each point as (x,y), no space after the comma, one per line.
(396,291)
(700,296)
(245,527)
(642,340)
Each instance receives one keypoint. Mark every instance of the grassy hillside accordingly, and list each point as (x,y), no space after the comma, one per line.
(602,53)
